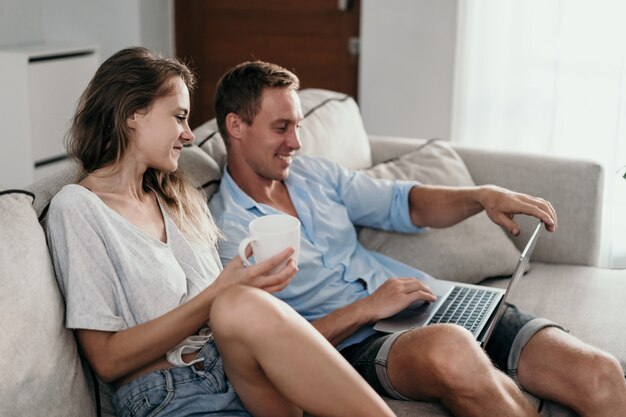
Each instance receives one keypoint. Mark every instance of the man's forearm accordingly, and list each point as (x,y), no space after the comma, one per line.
(342,323)
(443,206)
(446,206)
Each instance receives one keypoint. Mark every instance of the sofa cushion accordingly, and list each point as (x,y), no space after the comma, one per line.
(435,409)
(484,251)
(209,140)
(41,370)
(332,128)
(47,187)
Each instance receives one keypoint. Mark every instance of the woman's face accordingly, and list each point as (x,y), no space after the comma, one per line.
(159,133)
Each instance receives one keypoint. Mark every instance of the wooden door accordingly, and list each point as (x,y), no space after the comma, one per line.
(316,39)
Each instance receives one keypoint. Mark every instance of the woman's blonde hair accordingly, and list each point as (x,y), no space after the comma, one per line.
(131,81)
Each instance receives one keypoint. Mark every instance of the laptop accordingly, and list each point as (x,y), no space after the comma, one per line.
(475,307)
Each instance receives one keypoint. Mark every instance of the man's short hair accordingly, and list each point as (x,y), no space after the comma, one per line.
(240,90)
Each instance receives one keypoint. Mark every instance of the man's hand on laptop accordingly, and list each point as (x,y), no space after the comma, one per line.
(395,295)
(501,205)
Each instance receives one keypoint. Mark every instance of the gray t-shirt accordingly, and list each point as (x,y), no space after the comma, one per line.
(114,275)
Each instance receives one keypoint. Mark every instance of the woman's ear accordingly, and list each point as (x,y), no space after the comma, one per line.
(131,121)
(235,126)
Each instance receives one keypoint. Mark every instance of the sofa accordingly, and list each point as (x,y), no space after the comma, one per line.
(43,371)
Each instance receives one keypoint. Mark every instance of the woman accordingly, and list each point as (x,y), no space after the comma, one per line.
(133,246)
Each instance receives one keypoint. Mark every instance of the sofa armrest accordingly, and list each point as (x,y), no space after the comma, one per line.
(574,187)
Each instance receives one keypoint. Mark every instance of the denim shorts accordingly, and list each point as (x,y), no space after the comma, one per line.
(199,389)
(514,330)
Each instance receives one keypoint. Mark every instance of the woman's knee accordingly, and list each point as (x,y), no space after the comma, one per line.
(242,308)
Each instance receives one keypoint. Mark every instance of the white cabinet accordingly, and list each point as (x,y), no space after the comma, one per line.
(39,88)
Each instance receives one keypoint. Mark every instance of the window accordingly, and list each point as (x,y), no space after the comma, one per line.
(548,76)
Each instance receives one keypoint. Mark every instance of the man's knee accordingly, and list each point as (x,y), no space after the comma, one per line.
(454,357)
(603,375)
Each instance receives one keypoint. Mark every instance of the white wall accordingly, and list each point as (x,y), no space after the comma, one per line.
(157,25)
(407,67)
(20,21)
(111,24)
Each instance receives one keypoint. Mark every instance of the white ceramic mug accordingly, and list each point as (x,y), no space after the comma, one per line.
(270,235)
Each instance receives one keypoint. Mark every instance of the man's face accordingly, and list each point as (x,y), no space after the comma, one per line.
(269,142)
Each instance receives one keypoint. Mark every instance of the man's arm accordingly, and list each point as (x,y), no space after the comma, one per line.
(438,207)
(390,298)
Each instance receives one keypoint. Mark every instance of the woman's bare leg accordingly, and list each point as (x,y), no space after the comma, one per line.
(279,364)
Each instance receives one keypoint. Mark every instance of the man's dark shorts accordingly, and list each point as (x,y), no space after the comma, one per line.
(514,330)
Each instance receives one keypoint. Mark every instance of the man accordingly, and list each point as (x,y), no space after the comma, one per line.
(343,289)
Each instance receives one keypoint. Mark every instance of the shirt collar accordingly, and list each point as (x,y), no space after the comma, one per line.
(239,196)
(296,184)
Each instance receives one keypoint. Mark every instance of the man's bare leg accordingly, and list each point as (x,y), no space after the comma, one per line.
(445,362)
(556,366)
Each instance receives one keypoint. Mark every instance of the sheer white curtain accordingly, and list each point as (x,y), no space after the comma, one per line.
(548,76)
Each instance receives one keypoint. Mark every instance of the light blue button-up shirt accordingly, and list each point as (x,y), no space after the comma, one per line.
(334,268)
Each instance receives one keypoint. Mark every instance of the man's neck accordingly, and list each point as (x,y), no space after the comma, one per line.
(273,193)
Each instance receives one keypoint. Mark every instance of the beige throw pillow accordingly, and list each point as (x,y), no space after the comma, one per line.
(41,371)
(332,128)
(469,251)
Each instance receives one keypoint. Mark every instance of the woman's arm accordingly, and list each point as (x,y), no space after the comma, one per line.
(116,354)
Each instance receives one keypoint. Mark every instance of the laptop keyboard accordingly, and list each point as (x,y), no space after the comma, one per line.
(465,307)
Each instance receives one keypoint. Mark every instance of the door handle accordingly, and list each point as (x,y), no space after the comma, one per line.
(344,5)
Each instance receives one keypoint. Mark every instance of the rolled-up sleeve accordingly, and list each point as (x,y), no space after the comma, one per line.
(371,202)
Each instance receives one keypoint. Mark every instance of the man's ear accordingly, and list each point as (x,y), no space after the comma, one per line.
(235,126)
